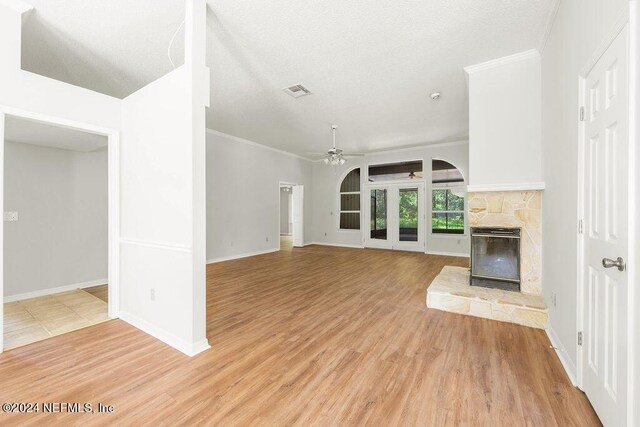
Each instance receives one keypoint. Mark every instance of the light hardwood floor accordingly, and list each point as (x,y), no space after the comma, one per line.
(313,336)
(100,291)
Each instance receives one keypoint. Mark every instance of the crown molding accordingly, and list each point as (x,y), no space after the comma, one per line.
(17,5)
(255,144)
(505,60)
(417,147)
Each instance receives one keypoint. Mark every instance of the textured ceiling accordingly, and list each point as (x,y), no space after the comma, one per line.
(46,135)
(370,64)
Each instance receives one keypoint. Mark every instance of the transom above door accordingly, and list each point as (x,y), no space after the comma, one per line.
(394,216)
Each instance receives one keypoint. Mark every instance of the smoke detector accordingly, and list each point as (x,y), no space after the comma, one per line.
(435,96)
(297,91)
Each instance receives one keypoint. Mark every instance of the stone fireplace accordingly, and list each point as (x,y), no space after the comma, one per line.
(508,210)
(519,209)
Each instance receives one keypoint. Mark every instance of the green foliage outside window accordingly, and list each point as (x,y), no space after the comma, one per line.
(448,211)
(409,208)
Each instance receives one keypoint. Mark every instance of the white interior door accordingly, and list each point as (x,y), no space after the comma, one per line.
(297,215)
(395,217)
(604,353)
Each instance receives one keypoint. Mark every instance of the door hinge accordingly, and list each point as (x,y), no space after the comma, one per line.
(580,338)
(580,226)
(582,114)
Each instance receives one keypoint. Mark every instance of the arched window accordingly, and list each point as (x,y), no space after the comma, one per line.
(350,201)
(447,198)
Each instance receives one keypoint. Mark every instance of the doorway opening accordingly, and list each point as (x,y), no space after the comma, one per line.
(55,236)
(286,224)
(291,215)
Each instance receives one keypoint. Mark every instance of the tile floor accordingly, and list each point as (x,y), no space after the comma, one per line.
(35,319)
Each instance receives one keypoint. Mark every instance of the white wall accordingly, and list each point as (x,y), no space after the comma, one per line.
(505,123)
(326,206)
(40,97)
(243,195)
(579,28)
(157,205)
(285,211)
(60,238)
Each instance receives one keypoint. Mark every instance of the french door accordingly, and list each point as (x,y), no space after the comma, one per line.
(395,215)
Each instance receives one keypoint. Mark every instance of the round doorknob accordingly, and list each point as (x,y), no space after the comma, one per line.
(609,263)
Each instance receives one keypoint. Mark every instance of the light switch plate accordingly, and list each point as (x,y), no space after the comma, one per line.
(11,216)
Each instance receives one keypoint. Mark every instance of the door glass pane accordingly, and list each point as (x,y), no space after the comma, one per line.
(378,214)
(408,215)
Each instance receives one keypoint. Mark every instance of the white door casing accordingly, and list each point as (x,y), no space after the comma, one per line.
(606,210)
(297,216)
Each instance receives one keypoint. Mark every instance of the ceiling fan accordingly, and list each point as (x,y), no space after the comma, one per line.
(335,156)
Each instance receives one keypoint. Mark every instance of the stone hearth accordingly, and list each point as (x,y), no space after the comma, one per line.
(450,291)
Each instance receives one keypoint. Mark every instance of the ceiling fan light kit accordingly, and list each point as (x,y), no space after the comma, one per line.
(334,156)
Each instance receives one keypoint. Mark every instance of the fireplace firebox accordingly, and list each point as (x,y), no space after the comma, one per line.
(495,258)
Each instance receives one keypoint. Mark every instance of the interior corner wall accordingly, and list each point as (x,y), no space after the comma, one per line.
(156,250)
(580,27)
(326,207)
(243,189)
(62,202)
(25,91)
(504,124)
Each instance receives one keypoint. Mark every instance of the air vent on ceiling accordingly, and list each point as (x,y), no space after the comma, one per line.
(297,91)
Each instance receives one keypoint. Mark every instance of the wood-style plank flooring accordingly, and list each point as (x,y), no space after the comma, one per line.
(100,291)
(313,336)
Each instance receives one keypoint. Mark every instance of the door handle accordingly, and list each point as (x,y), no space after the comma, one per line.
(609,263)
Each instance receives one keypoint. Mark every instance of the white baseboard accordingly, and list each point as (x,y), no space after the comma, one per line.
(238,256)
(190,349)
(567,364)
(57,290)
(465,255)
(340,245)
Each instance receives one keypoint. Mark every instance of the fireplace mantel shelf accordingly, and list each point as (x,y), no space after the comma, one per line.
(450,291)
(520,186)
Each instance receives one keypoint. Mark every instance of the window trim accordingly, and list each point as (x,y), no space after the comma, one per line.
(340,211)
(463,212)
(461,185)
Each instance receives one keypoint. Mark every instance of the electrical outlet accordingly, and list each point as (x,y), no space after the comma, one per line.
(267,239)
(554,299)
(11,216)
(153,294)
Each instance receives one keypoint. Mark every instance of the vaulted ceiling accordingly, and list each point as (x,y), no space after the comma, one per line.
(371,65)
